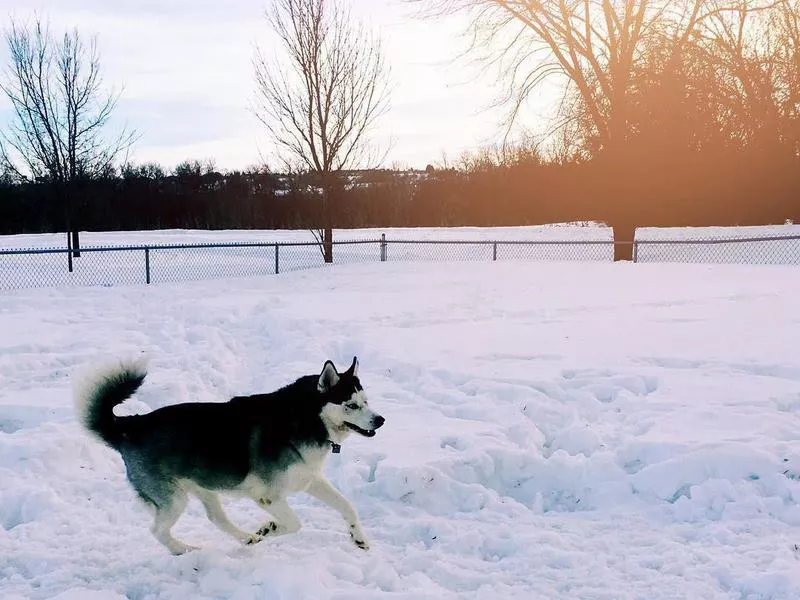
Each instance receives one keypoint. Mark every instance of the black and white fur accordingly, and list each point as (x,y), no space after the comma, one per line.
(264,447)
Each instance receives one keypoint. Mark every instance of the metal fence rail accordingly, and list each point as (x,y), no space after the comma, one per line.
(148,264)
(493,250)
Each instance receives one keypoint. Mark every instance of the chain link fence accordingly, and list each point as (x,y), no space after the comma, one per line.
(140,264)
(151,264)
(764,250)
(131,265)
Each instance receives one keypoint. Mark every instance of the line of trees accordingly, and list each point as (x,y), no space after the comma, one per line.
(674,112)
(511,186)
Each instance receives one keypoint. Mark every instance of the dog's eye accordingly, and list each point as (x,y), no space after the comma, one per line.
(351,406)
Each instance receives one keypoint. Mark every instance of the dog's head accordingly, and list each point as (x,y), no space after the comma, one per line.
(345,406)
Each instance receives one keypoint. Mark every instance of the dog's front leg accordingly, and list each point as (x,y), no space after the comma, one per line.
(322,490)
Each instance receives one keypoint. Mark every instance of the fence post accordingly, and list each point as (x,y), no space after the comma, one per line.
(147,265)
(635,250)
(277,260)
(494,251)
(383,247)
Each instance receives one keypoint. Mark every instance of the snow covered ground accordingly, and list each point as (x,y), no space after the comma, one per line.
(711,233)
(559,232)
(582,430)
(585,231)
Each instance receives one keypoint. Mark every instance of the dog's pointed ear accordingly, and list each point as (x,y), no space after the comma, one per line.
(353,370)
(328,378)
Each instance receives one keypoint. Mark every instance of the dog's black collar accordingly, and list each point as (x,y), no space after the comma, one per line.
(335,449)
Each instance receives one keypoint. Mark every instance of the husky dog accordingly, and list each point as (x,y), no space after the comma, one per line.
(263,447)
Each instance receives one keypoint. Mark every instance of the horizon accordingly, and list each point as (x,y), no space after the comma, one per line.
(189,98)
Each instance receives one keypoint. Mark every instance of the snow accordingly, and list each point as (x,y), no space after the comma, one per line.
(557,232)
(554,430)
(711,233)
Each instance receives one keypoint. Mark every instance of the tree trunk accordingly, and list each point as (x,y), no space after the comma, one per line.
(623,241)
(65,190)
(327,217)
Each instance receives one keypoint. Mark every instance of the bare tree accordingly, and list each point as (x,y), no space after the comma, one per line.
(320,104)
(789,64)
(594,46)
(755,50)
(60,112)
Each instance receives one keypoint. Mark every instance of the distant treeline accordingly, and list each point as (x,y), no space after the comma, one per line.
(646,187)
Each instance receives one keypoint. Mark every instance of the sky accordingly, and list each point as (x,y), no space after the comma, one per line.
(185,70)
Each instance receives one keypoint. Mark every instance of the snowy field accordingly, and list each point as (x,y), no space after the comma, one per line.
(589,231)
(590,431)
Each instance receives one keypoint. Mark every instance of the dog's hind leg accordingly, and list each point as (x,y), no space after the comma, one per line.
(161,493)
(167,515)
(217,515)
(322,490)
(286,520)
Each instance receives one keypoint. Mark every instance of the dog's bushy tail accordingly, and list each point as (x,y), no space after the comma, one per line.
(97,392)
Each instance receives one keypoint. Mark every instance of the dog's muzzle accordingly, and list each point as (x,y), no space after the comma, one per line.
(377,422)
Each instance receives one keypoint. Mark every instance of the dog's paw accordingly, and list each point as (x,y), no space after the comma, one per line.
(267,529)
(358,537)
(363,544)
